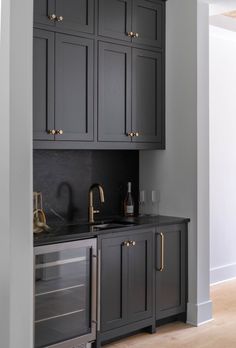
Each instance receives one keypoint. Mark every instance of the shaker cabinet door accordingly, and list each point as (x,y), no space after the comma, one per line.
(77,15)
(147,96)
(43,84)
(115,18)
(171,271)
(148,22)
(42,11)
(114,96)
(114,273)
(74,88)
(140,291)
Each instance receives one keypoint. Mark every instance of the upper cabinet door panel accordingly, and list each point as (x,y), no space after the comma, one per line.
(42,11)
(43,84)
(78,15)
(115,18)
(114,96)
(147,96)
(148,22)
(74,88)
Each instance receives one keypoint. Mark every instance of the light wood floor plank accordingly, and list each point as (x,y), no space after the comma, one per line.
(219,333)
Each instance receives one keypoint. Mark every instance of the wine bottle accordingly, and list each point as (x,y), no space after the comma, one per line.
(129,202)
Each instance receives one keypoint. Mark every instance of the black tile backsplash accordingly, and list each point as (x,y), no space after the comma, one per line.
(64,178)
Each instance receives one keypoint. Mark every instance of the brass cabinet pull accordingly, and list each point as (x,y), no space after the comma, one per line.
(136,35)
(130,134)
(59,18)
(130,33)
(59,132)
(52,17)
(161,269)
(51,131)
(136,134)
(126,243)
(132,242)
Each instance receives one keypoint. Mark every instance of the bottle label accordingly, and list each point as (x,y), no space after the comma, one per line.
(130,209)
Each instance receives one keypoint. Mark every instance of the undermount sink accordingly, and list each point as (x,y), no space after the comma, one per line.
(110,225)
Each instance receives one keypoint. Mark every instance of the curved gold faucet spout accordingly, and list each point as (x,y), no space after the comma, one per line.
(91,207)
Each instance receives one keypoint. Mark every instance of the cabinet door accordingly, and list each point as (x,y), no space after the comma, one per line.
(171,258)
(74,88)
(115,18)
(43,84)
(148,22)
(147,96)
(78,15)
(140,304)
(42,10)
(114,97)
(114,261)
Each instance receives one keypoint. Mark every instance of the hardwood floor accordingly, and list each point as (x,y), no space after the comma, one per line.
(219,333)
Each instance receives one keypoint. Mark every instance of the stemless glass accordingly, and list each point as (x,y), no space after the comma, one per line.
(142,200)
(155,200)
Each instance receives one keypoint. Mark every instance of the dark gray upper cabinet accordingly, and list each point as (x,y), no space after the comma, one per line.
(148,22)
(115,18)
(137,21)
(126,279)
(74,88)
(42,10)
(72,15)
(63,87)
(147,98)
(43,84)
(171,270)
(114,93)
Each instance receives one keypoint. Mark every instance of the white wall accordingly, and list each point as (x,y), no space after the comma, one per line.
(16,238)
(181,172)
(223,153)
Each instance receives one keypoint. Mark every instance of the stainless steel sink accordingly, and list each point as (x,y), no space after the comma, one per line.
(110,225)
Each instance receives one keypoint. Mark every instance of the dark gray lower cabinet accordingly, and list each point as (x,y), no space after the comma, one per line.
(126,280)
(171,270)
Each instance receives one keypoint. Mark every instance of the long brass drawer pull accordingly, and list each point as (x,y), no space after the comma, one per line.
(161,269)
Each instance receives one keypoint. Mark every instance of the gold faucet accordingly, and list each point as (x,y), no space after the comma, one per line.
(92,211)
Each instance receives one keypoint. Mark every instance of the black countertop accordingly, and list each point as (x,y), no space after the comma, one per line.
(60,232)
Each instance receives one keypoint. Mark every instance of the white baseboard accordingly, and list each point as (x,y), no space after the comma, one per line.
(222,273)
(199,313)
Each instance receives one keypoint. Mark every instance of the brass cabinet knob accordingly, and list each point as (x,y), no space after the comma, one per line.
(59,18)
(126,243)
(130,33)
(132,242)
(51,131)
(130,134)
(52,17)
(59,132)
(136,35)
(136,134)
